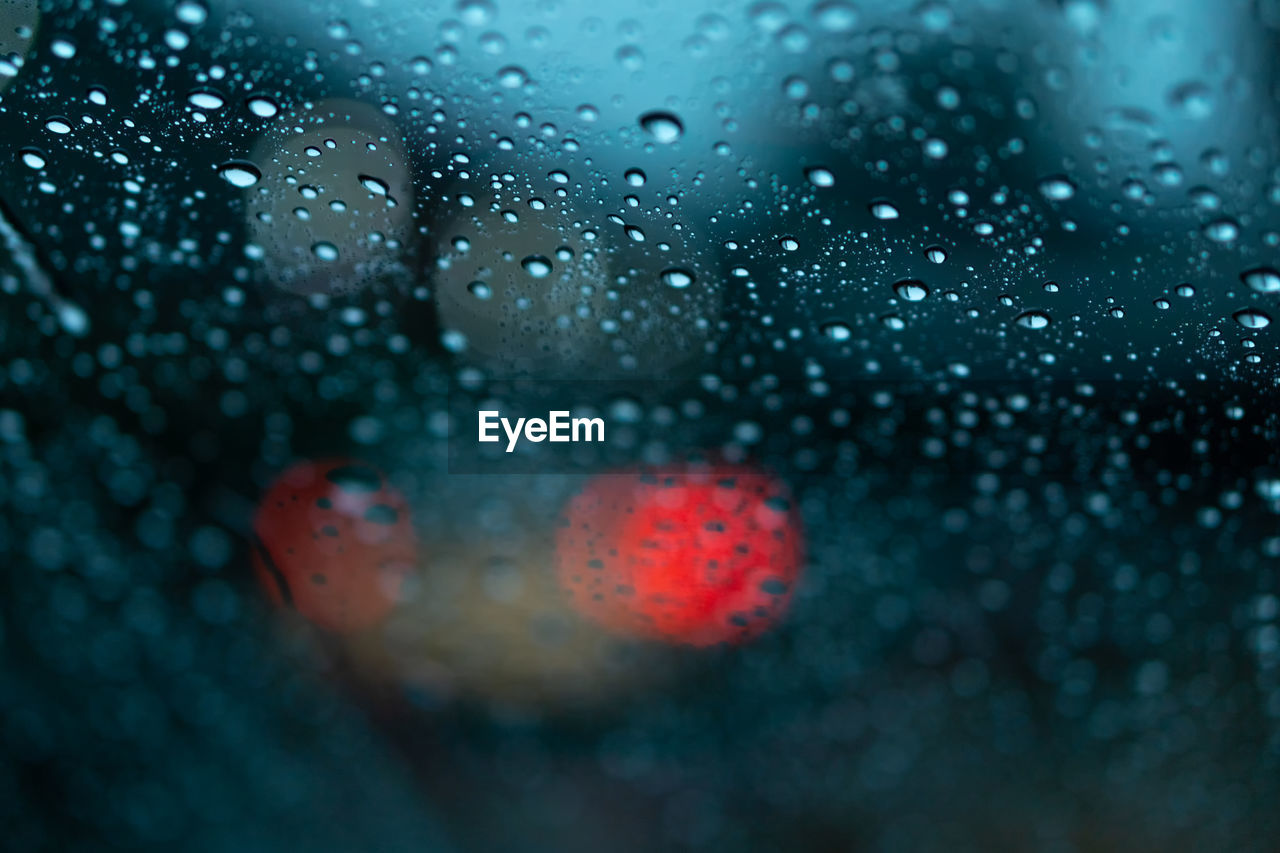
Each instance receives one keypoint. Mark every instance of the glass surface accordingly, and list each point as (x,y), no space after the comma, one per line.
(935,503)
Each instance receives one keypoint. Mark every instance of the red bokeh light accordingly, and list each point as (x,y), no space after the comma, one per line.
(701,556)
(335,541)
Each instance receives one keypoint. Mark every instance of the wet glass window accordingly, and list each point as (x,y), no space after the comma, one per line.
(550,425)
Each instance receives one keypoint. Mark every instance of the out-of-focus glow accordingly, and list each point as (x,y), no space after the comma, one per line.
(332,211)
(703,556)
(528,286)
(518,289)
(488,623)
(333,540)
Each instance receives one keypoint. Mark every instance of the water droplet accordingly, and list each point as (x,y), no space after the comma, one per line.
(1186,291)
(1168,174)
(63,48)
(1057,188)
(836,330)
(453,340)
(1195,99)
(1252,318)
(1262,279)
(206,100)
(630,57)
(910,289)
(480,290)
(835,16)
(789,243)
(1222,230)
(325,251)
(635,177)
(476,13)
(58,125)
(664,127)
(73,318)
(512,77)
(33,158)
(820,177)
(935,149)
(262,106)
(240,173)
(189,12)
(1033,320)
(536,266)
(935,254)
(677,278)
(377,186)
(893,322)
(883,210)
(936,17)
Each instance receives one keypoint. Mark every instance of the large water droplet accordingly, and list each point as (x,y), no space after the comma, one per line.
(262,106)
(835,16)
(1222,230)
(1033,320)
(664,127)
(1262,279)
(63,48)
(189,12)
(910,289)
(1194,99)
(476,13)
(883,210)
(836,330)
(512,77)
(377,186)
(536,266)
(1057,188)
(33,158)
(1252,318)
(820,177)
(240,173)
(325,251)
(935,254)
(677,278)
(205,99)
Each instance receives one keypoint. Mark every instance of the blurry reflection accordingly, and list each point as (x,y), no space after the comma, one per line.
(18,22)
(333,209)
(526,285)
(487,622)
